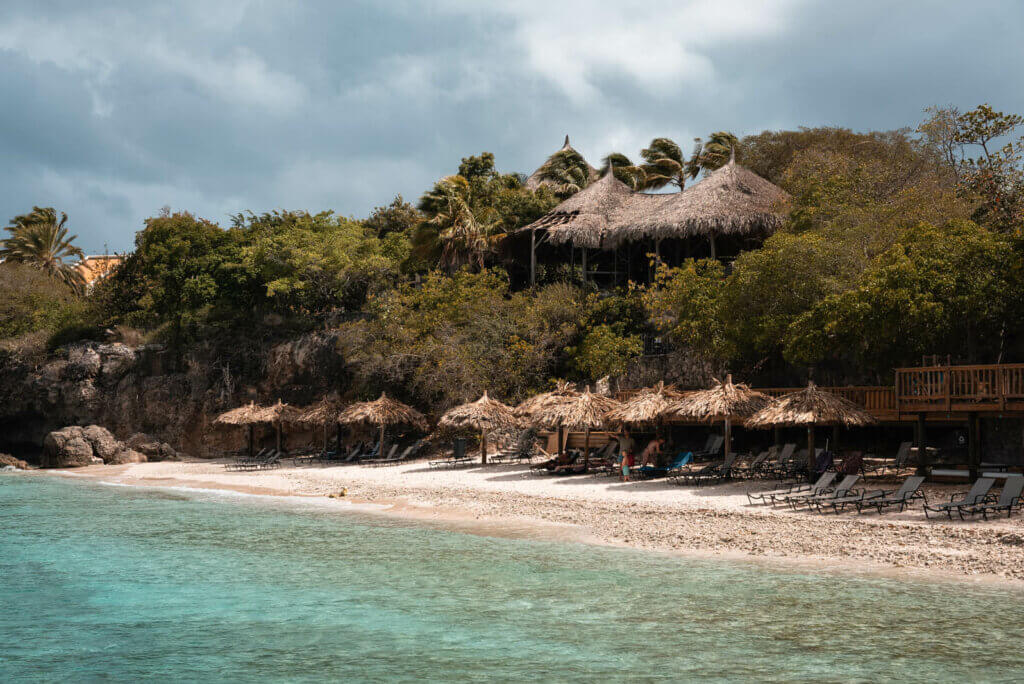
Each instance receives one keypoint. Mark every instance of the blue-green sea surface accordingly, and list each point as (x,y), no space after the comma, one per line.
(102,583)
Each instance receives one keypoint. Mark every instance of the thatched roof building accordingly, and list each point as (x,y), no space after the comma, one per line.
(535,180)
(811,406)
(731,200)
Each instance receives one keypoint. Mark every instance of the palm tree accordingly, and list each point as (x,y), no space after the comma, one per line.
(713,154)
(664,164)
(567,171)
(41,240)
(624,170)
(466,236)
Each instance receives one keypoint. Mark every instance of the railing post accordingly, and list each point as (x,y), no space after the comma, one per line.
(948,377)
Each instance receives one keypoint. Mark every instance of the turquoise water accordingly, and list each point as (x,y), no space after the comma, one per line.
(122,584)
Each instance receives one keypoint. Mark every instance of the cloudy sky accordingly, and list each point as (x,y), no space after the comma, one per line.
(113,109)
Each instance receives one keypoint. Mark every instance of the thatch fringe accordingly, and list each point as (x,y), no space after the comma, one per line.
(323,412)
(251,414)
(382,412)
(647,406)
(811,406)
(724,400)
(540,402)
(483,414)
(584,411)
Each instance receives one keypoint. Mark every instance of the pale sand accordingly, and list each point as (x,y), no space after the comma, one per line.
(651,515)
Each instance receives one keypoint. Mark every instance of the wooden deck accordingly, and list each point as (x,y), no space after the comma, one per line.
(940,393)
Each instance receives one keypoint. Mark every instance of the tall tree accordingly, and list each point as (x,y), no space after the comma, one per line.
(467,235)
(713,153)
(40,239)
(567,171)
(664,164)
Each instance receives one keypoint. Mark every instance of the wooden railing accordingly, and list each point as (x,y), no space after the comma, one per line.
(959,388)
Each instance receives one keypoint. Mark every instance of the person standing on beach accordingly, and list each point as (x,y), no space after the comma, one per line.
(627,447)
(651,451)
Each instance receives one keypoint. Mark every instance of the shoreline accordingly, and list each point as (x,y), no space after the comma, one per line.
(708,522)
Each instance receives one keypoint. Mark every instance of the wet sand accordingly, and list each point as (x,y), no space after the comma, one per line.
(652,515)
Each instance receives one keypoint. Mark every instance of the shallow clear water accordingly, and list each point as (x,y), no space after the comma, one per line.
(122,584)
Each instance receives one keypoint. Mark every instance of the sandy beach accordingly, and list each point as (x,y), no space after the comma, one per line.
(653,515)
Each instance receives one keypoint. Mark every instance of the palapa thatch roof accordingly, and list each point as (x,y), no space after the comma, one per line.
(646,406)
(587,217)
(483,414)
(323,412)
(731,200)
(535,180)
(251,414)
(811,406)
(584,411)
(540,402)
(382,412)
(724,400)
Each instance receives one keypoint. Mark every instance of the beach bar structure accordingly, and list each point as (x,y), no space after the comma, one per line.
(613,229)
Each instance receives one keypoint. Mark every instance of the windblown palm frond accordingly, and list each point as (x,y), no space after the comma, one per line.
(624,170)
(41,240)
(567,171)
(663,164)
(467,238)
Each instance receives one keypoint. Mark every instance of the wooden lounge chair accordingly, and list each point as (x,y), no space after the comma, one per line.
(770,497)
(908,491)
(843,489)
(1009,499)
(977,494)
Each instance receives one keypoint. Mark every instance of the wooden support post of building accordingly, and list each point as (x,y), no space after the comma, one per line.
(922,446)
(615,265)
(711,240)
(583,250)
(778,436)
(533,257)
(973,445)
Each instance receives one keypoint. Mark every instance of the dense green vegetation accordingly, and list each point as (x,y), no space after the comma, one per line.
(898,244)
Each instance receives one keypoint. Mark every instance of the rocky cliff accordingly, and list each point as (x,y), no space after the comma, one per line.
(129,390)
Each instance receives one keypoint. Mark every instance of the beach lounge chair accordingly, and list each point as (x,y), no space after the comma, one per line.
(977,494)
(1010,498)
(712,472)
(770,497)
(781,468)
(843,489)
(879,466)
(712,448)
(749,469)
(390,457)
(458,457)
(908,491)
(682,459)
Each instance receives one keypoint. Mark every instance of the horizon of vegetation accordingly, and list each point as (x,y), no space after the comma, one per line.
(897,244)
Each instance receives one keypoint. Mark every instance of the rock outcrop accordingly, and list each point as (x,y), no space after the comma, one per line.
(152,448)
(75,446)
(8,461)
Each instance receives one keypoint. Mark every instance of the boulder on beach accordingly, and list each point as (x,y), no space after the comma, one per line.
(8,461)
(76,446)
(152,448)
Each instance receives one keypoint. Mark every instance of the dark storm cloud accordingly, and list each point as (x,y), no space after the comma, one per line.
(115,109)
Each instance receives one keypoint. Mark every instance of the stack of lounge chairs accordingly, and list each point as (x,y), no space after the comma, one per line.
(265,459)
(711,473)
(394,456)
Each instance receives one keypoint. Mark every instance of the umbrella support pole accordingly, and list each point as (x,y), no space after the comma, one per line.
(251,441)
(586,449)
(483,447)
(812,462)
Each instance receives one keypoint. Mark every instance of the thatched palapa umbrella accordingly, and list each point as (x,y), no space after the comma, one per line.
(484,414)
(811,407)
(382,413)
(649,405)
(324,412)
(725,401)
(585,411)
(253,415)
(528,409)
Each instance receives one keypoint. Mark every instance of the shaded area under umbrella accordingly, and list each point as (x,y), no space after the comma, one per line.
(485,415)
(724,401)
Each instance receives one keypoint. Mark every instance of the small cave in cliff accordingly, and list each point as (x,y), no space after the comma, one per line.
(22,435)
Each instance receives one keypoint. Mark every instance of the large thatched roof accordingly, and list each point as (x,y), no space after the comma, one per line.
(564,391)
(251,414)
(646,406)
(730,200)
(584,411)
(587,217)
(483,414)
(724,400)
(383,412)
(323,412)
(811,406)
(535,180)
